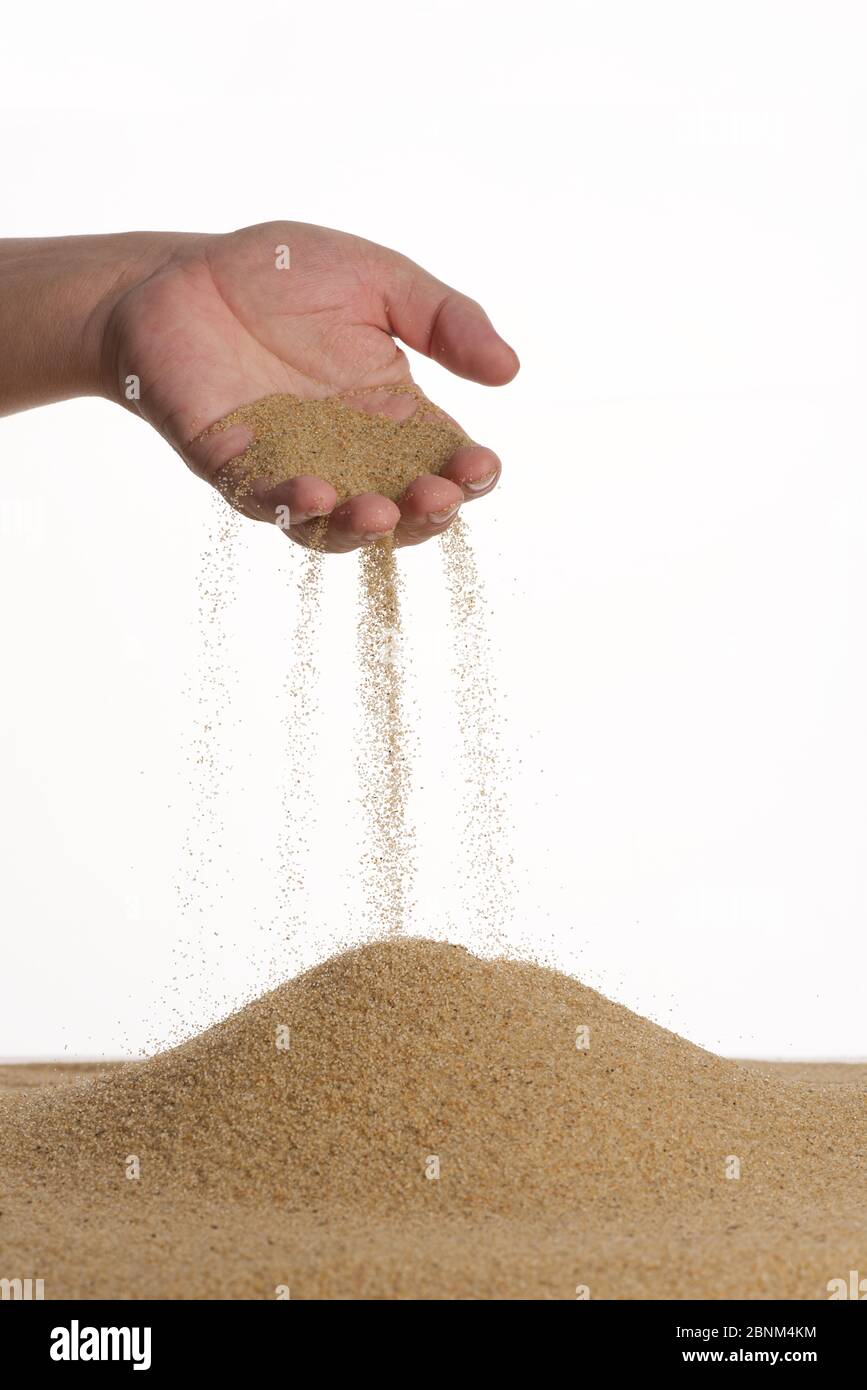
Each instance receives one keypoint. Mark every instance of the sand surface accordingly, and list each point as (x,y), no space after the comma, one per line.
(361,441)
(289,1146)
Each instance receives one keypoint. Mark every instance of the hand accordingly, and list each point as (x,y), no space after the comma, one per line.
(211,323)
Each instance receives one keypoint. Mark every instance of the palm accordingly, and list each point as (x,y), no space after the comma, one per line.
(223,324)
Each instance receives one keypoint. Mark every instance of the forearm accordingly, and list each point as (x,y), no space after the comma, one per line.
(56,294)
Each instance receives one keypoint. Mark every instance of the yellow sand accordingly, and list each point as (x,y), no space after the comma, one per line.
(304,1164)
(356,450)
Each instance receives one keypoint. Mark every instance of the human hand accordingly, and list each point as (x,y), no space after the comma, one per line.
(211,323)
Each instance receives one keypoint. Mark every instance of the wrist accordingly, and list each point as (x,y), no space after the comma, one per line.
(56,298)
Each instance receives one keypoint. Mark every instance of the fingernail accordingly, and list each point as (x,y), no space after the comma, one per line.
(438,517)
(482,483)
(374,535)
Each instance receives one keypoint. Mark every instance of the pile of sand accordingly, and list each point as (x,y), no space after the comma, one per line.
(351,440)
(409,1120)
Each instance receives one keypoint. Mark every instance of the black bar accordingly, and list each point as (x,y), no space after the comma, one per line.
(609,1337)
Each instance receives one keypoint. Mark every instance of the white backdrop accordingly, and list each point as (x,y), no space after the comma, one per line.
(663,208)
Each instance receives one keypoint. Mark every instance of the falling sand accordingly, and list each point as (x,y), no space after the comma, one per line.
(383,746)
(486,879)
(299,824)
(408,1120)
(372,441)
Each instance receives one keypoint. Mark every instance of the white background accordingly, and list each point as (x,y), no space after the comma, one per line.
(663,208)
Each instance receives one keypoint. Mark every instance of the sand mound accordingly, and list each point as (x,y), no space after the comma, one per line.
(343,1082)
(328,1100)
(361,441)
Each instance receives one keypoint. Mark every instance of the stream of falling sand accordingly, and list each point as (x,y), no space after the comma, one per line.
(204,867)
(486,860)
(299,822)
(383,752)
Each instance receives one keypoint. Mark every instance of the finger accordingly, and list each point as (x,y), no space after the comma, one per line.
(288,503)
(428,506)
(445,325)
(293,501)
(363,519)
(210,455)
(475,470)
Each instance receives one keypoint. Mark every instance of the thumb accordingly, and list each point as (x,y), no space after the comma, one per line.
(455,331)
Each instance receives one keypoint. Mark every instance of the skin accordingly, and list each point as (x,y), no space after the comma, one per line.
(209,323)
